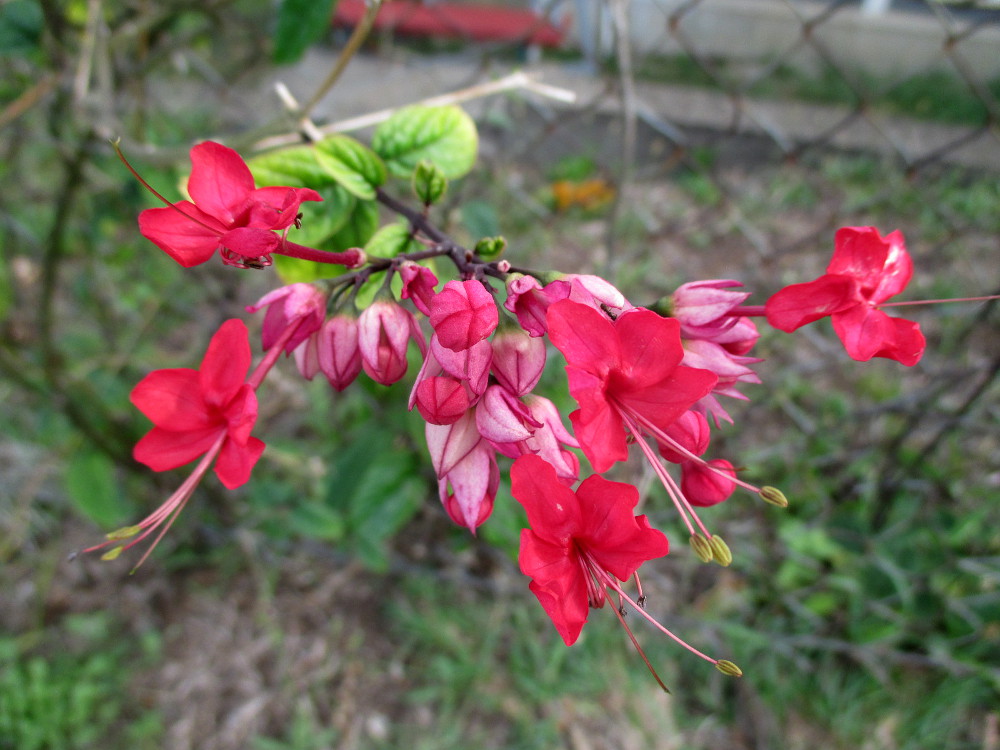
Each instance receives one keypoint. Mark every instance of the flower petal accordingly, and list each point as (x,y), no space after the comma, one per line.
(235,462)
(799,304)
(880,265)
(220,180)
(650,347)
(187,235)
(225,364)
(172,400)
(553,510)
(586,337)
(162,450)
(250,242)
(611,532)
(867,333)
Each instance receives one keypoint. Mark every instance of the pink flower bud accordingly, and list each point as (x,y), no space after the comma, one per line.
(595,292)
(418,285)
(730,368)
(474,483)
(449,444)
(691,432)
(453,507)
(338,352)
(548,439)
(528,302)
(502,418)
(518,360)
(704,487)
(740,338)
(706,303)
(441,400)
(471,365)
(297,305)
(463,314)
(384,329)
(307,356)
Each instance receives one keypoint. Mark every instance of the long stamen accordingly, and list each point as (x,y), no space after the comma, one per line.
(607,579)
(638,648)
(939,301)
(168,511)
(115,144)
(676,496)
(664,438)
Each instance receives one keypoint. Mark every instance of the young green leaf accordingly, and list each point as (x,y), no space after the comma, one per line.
(429,184)
(355,167)
(295,167)
(444,136)
(390,241)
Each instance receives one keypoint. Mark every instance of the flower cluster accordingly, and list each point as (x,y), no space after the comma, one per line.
(648,380)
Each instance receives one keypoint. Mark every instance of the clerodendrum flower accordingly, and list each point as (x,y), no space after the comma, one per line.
(629,369)
(582,543)
(866,270)
(578,540)
(208,412)
(228,211)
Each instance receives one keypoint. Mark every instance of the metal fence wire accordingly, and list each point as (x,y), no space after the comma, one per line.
(736,136)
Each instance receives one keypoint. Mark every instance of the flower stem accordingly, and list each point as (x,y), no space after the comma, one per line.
(350,258)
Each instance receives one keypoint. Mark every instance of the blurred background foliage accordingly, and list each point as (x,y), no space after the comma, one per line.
(329,603)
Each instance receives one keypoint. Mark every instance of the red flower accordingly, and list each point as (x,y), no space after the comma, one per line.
(866,270)
(578,540)
(193,410)
(621,373)
(227,212)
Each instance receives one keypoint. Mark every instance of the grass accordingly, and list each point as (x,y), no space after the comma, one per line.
(69,692)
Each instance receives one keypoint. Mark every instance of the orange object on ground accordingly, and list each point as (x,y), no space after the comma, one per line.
(479,23)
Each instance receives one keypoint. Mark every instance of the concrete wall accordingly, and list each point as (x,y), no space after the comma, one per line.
(894,44)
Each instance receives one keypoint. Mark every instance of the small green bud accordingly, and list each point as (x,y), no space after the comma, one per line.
(720,551)
(702,548)
(663,306)
(429,183)
(773,496)
(727,667)
(113,553)
(126,532)
(490,248)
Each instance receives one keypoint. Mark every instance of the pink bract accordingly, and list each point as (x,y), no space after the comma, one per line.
(463,314)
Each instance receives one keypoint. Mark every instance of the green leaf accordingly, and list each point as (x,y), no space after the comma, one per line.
(358,228)
(444,136)
(321,221)
(93,488)
(354,166)
(295,167)
(21,25)
(300,23)
(390,241)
